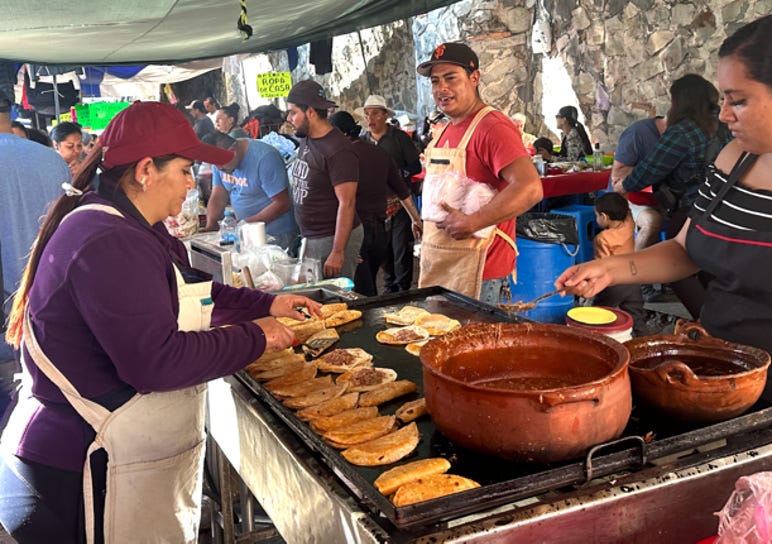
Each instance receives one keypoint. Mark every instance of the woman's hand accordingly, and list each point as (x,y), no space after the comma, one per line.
(286,306)
(277,336)
(586,279)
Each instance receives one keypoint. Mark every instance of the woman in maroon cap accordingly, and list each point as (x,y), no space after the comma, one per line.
(118,333)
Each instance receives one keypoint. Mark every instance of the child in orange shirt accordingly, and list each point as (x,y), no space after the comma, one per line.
(612,213)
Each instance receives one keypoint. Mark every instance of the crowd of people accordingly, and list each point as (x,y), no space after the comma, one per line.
(109,365)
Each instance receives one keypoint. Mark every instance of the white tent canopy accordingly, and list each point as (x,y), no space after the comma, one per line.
(172,31)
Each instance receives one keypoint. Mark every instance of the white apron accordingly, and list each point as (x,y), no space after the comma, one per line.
(457,265)
(154,442)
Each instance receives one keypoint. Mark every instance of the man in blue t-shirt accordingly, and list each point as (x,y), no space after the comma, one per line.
(32,179)
(256,183)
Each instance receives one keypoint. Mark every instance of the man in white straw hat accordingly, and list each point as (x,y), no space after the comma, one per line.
(398,265)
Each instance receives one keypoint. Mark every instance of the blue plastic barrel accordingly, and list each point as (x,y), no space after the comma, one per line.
(538,266)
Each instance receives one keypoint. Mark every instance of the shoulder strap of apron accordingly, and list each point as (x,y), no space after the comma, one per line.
(89,410)
(744,162)
(473,125)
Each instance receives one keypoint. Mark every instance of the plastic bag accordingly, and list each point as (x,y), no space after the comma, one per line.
(550,228)
(457,191)
(747,516)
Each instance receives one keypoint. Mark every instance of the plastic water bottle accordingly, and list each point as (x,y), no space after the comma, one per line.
(538,162)
(228,235)
(597,158)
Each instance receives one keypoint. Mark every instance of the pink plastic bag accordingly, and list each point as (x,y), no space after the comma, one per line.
(747,516)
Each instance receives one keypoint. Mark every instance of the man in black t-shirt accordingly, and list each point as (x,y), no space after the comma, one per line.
(324,182)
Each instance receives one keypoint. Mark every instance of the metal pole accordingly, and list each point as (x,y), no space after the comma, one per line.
(57,111)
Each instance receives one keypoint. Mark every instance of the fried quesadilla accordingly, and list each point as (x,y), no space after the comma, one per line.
(384,450)
(329,407)
(394,478)
(316,397)
(414,348)
(437,324)
(431,487)
(362,431)
(344,359)
(261,365)
(386,392)
(320,341)
(341,318)
(411,410)
(323,424)
(305,373)
(333,308)
(405,316)
(402,335)
(290,365)
(302,388)
(364,378)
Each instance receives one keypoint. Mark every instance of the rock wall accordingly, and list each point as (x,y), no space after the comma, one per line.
(613,59)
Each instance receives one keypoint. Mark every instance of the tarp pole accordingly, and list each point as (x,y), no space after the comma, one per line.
(56,100)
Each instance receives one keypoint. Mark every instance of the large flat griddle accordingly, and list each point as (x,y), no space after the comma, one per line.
(501,481)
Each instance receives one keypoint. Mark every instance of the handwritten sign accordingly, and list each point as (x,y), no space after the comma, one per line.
(274,84)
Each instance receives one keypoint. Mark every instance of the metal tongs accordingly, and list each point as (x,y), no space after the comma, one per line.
(521,306)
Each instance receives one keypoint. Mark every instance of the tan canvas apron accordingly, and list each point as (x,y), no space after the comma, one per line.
(154,442)
(457,265)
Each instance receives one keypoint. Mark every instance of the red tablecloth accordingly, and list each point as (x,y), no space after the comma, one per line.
(575,183)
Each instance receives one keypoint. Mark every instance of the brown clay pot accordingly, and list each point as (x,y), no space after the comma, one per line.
(527,392)
(695,377)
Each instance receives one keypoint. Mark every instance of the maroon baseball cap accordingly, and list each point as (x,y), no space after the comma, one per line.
(452,53)
(152,129)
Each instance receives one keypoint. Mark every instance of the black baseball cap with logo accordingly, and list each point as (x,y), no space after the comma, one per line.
(451,53)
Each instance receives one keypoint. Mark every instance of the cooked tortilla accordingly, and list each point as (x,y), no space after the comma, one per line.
(290,365)
(386,392)
(405,316)
(394,478)
(316,397)
(302,388)
(304,329)
(384,450)
(307,372)
(333,308)
(437,324)
(414,348)
(402,335)
(364,378)
(363,431)
(264,365)
(320,341)
(329,407)
(323,424)
(411,410)
(341,318)
(344,359)
(431,487)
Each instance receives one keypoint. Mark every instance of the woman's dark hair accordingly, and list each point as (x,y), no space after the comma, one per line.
(38,136)
(612,204)
(18,125)
(544,143)
(109,182)
(752,45)
(60,132)
(232,110)
(572,116)
(694,97)
(343,121)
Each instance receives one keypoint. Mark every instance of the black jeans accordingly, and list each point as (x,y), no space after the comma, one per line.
(372,253)
(40,504)
(398,266)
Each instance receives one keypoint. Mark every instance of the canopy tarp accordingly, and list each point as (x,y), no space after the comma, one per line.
(112,32)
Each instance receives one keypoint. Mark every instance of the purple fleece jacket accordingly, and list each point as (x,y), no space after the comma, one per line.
(104,309)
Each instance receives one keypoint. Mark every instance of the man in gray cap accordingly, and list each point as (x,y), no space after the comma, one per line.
(482,144)
(32,179)
(324,182)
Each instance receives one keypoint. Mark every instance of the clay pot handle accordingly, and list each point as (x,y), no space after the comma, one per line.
(549,400)
(692,331)
(674,371)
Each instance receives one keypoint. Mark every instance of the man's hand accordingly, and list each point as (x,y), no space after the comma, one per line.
(277,336)
(418,229)
(333,266)
(287,305)
(456,224)
(618,187)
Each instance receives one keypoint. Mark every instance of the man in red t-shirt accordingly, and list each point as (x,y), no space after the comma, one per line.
(495,155)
